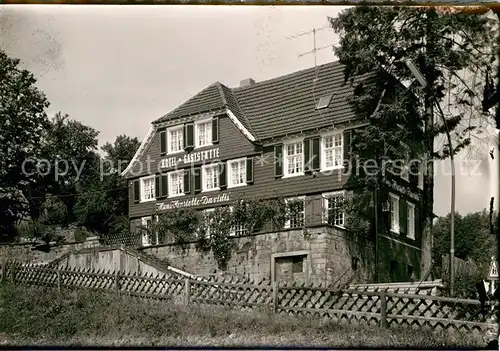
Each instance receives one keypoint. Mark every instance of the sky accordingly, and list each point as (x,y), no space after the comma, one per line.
(117,68)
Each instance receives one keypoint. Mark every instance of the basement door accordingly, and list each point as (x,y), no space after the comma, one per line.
(291,269)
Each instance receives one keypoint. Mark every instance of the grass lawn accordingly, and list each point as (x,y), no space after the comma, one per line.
(38,316)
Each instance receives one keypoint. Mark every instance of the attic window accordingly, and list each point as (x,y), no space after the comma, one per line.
(324,101)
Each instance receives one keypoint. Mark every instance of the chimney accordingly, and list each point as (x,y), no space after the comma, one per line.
(247,82)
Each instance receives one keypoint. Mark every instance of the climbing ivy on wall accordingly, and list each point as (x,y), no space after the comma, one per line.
(212,230)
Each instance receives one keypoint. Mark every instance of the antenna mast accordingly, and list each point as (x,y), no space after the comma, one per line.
(315,49)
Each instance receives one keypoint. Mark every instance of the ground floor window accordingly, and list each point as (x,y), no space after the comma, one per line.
(394,216)
(209,220)
(149,235)
(411,221)
(333,204)
(295,212)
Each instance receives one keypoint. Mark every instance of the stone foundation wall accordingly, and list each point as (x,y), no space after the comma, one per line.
(25,253)
(327,253)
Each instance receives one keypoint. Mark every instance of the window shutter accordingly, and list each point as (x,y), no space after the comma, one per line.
(137,191)
(418,229)
(197,179)
(347,147)
(222,175)
(188,135)
(157,186)
(187,181)
(307,155)
(163,143)
(164,185)
(383,197)
(278,160)
(403,217)
(316,154)
(215,130)
(250,170)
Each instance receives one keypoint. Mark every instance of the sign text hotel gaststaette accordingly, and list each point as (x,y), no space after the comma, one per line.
(190,158)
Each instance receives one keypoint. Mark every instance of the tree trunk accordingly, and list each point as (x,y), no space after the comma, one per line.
(428,195)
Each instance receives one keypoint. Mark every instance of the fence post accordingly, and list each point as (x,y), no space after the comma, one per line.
(383,308)
(58,280)
(13,273)
(187,289)
(275,297)
(3,266)
(117,283)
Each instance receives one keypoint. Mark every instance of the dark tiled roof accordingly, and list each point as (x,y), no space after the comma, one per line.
(287,104)
(209,99)
(279,106)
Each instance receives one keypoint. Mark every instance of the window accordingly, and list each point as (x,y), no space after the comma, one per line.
(238,229)
(148,188)
(203,133)
(176,183)
(210,177)
(148,238)
(324,101)
(421,171)
(298,264)
(411,221)
(295,210)
(209,218)
(334,213)
(332,151)
(175,139)
(237,172)
(294,159)
(394,202)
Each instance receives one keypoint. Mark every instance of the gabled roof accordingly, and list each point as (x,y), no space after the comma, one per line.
(287,104)
(209,99)
(279,106)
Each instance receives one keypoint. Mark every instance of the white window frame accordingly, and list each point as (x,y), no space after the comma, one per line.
(170,183)
(326,201)
(169,139)
(144,222)
(205,212)
(421,170)
(143,192)
(410,215)
(204,177)
(230,172)
(394,224)
(285,158)
(323,151)
(197,133)
(233,227)
(288,221)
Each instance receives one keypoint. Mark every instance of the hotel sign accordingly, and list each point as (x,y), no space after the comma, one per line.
(190,158)
(402,189)
(204,200)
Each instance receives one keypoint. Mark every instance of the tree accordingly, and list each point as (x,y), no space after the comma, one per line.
(70,151)
(103,200)
(22,124)
(473,237)
(443,43)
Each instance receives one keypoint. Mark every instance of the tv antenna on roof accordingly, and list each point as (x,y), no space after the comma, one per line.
(315,49)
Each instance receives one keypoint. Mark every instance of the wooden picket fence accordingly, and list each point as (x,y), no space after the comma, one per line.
(379,307)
